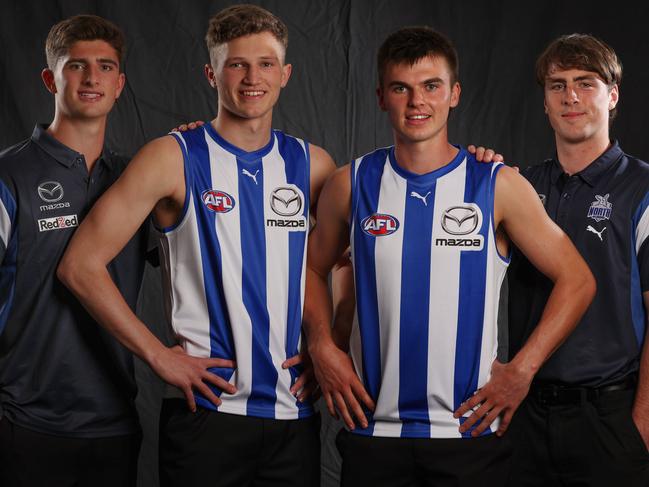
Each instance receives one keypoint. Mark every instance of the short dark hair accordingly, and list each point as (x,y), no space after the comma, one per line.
(581,51)
(242,20)
(82,28)
(410,44)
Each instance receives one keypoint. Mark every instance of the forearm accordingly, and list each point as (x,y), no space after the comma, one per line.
(95,289)
(317,312)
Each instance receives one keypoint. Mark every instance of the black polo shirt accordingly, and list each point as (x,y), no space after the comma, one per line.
(603,209)
(60,372)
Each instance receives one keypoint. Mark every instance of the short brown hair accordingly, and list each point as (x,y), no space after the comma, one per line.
(81,28)
(410,44)
(242,20)
(580,51)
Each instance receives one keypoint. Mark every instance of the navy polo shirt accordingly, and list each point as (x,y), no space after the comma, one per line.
(603,209)
(60,372)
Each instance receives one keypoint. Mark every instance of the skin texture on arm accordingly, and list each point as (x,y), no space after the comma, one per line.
(518,210)
(153,179)
(322,166)
(341,387)
(344,300)
(641,404)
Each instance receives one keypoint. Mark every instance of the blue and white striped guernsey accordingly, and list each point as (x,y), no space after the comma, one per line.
(428,277)
(234,266)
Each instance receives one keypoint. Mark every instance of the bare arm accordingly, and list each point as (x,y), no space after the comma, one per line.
(341,387)
(641,404)
(518,210)
(154,176)
(344,300)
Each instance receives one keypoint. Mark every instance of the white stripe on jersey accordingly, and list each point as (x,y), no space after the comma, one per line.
(642,231)
(444,288)
(388,287)
(5,226)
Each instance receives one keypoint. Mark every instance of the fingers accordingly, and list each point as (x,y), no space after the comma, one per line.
(471,148)
(486,422)
(208,394)
(341,406)
(504,423)
(468,405)
(361,393)
(498,158)
(356,409)
(474,418)
(189,396)
(217,381)
(330,405)
(181,128)
(300,383)
(292,361)
(209,363)
(516,168)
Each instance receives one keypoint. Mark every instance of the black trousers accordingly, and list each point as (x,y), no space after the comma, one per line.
(591,443)
(423,462)
(32,459)
(213,449)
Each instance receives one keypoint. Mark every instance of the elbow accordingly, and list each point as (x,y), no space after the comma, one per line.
(588,286)
(69,273)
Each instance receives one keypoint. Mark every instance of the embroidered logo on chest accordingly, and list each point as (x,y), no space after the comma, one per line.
(600,209)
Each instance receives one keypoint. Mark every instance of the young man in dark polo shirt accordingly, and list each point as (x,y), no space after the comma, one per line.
(586,419)
(66,387)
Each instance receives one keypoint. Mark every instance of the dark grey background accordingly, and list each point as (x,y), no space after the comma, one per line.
(330,99)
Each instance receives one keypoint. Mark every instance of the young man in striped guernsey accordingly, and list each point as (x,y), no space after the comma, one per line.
(428,228)
(232,200)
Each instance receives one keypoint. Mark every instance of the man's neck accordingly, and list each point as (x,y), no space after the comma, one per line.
(83,136)
(576,157)
(247,134)
(424,157)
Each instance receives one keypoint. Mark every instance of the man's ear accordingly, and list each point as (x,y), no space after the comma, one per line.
(47,75)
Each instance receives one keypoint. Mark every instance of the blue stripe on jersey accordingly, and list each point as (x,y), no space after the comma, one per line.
(473,268)
(299,175)
(8,261)
(198,174)
(637,305)
(370,172)
(255,296)
(414,326)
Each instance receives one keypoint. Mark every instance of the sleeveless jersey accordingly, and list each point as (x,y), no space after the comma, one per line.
(428,277)
(234,266)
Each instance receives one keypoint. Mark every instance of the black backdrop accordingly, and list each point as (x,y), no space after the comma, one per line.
(330,98)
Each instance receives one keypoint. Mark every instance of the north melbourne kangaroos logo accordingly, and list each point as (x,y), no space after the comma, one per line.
(600,209)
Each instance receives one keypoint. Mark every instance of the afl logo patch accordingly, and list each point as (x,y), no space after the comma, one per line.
(218,201)
(50,191)
(380,225)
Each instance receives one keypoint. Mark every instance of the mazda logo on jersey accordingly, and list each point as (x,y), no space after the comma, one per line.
(218,201)
(461,220)
(50,191)
(285,201)
(380,225)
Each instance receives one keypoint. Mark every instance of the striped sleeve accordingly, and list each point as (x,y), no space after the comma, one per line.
(641,235)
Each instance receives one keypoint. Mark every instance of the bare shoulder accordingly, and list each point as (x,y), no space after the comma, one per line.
(163,150)
(321,162)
